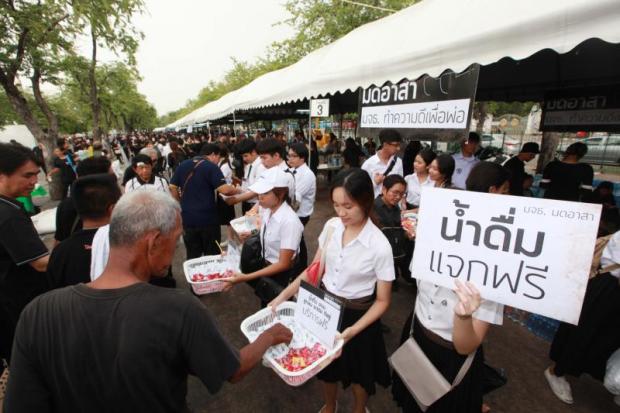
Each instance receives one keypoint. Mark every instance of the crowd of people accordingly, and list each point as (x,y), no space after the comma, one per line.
(99,324)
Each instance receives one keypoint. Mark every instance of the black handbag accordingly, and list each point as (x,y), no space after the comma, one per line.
(252,259)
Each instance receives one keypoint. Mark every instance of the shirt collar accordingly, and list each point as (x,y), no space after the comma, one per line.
(364,237)
(279,214)
(14,203)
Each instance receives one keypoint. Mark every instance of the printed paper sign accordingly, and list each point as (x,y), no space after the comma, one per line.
(529,253)
(319,313)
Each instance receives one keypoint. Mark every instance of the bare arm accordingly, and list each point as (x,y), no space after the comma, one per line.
(468,333)
(251,354)
(293,287)
(380,306)
(174,190)
(40,264)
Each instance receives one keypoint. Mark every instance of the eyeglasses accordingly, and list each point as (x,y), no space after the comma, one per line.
(397,193)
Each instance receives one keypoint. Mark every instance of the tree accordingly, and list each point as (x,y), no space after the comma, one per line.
(121,106)
(33,39)
(109,23)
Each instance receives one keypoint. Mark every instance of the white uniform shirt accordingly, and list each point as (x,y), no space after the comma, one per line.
(462,168)
(352,271)
(434,308)
(280,231)
(100,250)
(611,254)
(250,173)
(373,165)
(414,188)
(305,190)
(227,172)
(159,184)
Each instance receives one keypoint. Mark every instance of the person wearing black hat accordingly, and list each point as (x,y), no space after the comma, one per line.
(516,166)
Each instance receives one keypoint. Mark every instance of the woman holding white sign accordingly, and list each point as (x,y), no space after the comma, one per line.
(449,326)
(359,271)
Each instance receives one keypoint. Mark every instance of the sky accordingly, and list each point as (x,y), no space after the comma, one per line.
(188,43)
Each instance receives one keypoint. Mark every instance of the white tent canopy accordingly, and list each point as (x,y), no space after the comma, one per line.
(426,38)
(19,133)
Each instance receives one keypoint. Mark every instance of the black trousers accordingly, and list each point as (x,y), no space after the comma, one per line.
(202,241)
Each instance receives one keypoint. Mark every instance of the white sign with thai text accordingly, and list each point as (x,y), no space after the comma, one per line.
(530,253)
(318,313)
(445,114)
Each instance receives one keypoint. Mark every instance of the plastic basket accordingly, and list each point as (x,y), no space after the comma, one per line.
(207,264)
(251,326)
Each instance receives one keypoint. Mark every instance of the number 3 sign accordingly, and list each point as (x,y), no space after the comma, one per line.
(319,108)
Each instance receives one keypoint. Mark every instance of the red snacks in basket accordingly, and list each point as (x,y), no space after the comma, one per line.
(198,277)
(299,358)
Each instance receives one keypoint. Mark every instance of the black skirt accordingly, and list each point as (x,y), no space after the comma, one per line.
(364,358)
(465,398)
(586,347)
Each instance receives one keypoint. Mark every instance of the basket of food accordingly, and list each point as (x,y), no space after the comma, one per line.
(206,274)
(300,360)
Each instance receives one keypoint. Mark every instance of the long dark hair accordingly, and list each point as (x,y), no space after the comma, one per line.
(486,175)
(358,186)
(445,164)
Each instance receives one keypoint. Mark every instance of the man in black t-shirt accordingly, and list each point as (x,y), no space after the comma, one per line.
(67,219)
(118,344)
(23,257)
(516,166)
(94,197)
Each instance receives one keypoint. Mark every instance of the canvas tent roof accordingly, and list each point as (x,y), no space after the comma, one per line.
(435,35)
(19,133)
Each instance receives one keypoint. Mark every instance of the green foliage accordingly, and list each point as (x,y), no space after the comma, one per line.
(122,106)
(316,23)
(504,108)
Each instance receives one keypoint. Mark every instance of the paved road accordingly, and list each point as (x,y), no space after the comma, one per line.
(510,346)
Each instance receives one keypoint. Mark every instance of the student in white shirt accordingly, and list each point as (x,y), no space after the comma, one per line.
(385,161)
(449,325)
(143,167)
(305,190)
(420,177)
(440,171)
(272,155)
(280,231)
(225,212)
(251,165)
(359,270)
(465,160)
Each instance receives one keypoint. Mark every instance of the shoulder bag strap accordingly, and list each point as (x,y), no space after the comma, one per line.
(190,175)
(330,231)
(390,166)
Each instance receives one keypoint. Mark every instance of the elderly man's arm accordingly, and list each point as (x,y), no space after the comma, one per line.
(250,355)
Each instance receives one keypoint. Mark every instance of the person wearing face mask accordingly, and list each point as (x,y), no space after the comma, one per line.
(385,161)
(280,231)
(359,271)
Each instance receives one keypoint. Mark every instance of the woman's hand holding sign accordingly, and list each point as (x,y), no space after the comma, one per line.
(469,299)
